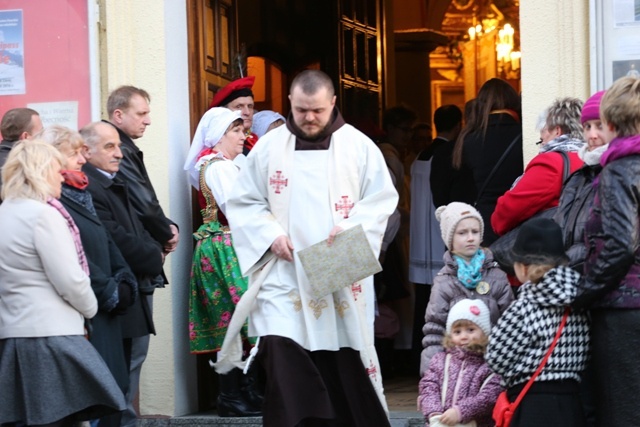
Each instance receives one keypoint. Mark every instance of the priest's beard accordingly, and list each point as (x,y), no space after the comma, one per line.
(315,136)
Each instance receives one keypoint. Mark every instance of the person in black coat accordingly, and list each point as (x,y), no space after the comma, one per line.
(112,281)
(129,114)
(448,184)
(489,131)
(141,251)
(128,109)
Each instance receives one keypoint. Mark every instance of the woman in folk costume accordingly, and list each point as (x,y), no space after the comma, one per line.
(216,281)
(50,375)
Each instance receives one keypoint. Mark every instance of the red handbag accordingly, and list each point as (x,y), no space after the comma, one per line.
(503,410)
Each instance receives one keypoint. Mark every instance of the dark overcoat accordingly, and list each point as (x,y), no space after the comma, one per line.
(141,251)
(107,268)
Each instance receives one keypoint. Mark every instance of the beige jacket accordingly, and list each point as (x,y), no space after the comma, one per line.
(43,290)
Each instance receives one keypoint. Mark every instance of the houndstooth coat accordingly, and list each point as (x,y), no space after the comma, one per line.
(525,331)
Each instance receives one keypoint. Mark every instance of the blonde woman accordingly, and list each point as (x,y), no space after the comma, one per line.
(50,375)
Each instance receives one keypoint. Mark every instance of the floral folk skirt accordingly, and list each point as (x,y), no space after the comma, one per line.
(216,286)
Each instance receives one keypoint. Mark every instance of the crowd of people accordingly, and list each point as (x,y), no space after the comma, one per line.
(550,336)
(559,351)
(85,240)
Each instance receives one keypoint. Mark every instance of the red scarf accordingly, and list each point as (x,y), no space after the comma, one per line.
(75,179)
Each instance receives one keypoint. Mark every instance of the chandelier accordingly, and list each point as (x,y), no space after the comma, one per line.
(508,59)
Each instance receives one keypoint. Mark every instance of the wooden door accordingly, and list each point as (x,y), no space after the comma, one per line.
(213,52)
(361,59)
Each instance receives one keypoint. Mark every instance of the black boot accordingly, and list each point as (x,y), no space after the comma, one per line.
(231,402)
(250,388)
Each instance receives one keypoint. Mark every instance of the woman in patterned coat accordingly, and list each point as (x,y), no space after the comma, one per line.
(524,333)
(216,280)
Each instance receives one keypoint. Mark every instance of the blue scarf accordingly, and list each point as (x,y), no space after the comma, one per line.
(470,273)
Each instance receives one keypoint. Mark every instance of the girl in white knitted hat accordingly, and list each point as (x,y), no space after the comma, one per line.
(459,388)
(469,272)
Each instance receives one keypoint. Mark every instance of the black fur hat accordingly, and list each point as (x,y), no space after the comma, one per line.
(539,238)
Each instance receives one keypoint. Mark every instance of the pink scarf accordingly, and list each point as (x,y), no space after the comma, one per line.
(621,147)
(75,233)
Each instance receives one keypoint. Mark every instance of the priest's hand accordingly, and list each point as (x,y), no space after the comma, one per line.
(283,248)
(332,235)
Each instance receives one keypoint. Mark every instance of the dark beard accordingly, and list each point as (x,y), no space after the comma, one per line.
(321,134)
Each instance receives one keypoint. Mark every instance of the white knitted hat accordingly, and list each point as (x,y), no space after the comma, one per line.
(473,310)
(450,215)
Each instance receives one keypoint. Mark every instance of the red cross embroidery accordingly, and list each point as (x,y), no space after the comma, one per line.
(344,205)
(278,181)
(356,289)
(371,370)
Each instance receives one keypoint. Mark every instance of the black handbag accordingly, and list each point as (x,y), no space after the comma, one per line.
(502,247)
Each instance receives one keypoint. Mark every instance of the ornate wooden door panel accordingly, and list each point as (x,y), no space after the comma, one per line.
(361,57)
(213,48)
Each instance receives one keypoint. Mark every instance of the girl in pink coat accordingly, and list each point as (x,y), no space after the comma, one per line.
(459,387)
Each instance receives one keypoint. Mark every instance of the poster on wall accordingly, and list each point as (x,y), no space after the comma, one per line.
(63,113)
(614,41)
(47,46)
(12,80)
(626,68)
(626,13)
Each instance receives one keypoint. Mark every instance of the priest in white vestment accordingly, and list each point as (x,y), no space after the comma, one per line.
(304,183)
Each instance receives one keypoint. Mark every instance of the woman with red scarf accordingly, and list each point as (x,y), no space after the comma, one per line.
(111,279)
(50,375)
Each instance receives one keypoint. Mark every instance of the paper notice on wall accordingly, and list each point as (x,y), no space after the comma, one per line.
(64,113)
(626,13)
(12,81)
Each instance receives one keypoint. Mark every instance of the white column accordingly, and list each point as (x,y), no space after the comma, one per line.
(554,38)
(144,43)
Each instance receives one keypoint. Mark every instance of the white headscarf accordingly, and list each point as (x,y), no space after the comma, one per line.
(263,119)
(213,124)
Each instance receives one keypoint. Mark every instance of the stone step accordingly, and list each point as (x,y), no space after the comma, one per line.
(398,419)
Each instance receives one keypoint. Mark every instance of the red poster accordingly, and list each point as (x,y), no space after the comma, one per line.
(56,59)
